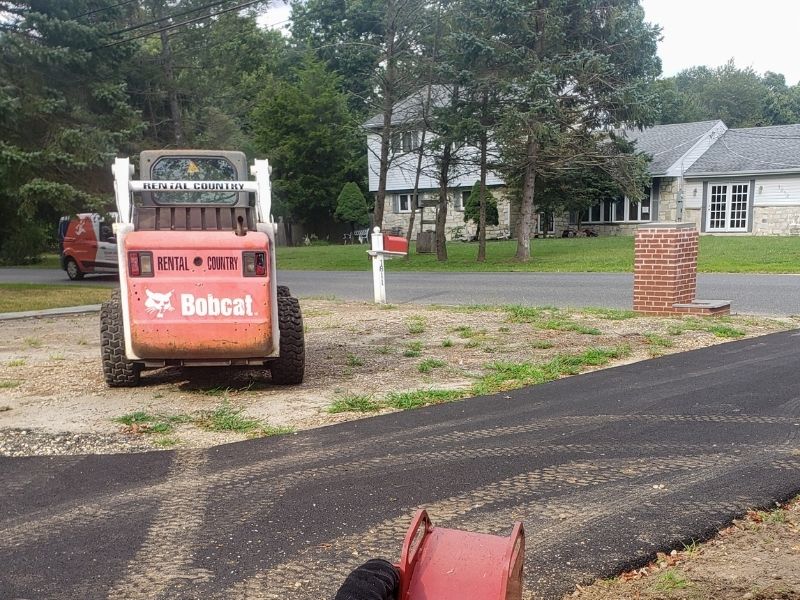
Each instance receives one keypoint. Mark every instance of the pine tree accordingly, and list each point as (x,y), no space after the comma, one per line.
(351,206)
(472,208)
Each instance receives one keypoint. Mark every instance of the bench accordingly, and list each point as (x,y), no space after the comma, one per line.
(360,234)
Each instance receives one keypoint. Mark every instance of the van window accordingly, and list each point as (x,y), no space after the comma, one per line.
(200,168)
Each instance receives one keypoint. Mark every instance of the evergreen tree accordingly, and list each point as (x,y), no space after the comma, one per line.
(472,208)
(64,114)
(303,125)
(351,206)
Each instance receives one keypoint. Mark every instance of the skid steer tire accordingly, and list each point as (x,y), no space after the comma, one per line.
(289,368)
(283,291)
(117,369)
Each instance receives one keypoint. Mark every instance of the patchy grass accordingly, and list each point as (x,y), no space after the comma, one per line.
(526,314)
(354,403)
(505,376)
(17,362)
(271,430)
(567,324)
(31,342)
(427,365)
(541,344)
(9,384)
(20,297)
(418,398)
(447,343)
(354,361)
(413,349)
(659,341)
(717,326)
(416,324)
(144,422)
(610,314)
(671,580)
(228,418)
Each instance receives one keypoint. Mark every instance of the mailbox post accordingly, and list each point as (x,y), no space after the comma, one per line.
(383,247)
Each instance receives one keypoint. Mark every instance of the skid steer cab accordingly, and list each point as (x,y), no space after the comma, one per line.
(196,253)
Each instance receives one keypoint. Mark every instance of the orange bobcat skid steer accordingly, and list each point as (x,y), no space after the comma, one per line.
(196,254)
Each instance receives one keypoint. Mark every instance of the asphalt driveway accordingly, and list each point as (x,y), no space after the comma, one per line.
(604,469)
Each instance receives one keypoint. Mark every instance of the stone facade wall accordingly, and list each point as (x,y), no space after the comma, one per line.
(455,227)
(665,267)
(668,201)
(776,220)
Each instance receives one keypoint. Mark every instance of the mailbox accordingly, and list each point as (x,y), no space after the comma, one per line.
(395,243)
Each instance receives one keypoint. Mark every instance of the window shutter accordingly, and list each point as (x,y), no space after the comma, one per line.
(395,203)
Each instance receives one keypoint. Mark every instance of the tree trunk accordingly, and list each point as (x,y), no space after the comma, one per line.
(169,77)
(526,208)
(441,209)
(389,84)
(484,142)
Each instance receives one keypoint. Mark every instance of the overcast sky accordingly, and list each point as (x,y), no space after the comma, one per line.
(762,34)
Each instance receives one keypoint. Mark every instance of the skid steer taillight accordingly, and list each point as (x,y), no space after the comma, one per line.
(140,264)
(255,264)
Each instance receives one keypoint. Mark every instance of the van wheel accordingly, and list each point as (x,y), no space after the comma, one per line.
(73,270)
(289,367)
(117,369)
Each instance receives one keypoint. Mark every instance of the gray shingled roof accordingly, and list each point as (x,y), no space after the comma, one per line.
(752,150)
(665,144)
(409,109)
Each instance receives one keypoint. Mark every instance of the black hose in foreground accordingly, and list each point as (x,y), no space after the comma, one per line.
(376,579)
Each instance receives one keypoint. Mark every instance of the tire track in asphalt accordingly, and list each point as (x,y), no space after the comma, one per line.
(316,573)
(166,556)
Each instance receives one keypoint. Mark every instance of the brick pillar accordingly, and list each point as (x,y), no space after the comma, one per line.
(665,267)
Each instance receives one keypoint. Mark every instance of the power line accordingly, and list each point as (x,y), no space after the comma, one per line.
(102,9)
(176,25)
(167,17)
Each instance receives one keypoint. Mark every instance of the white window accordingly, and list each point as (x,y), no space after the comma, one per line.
(727,207)
(460,200)
(619,210)
(545,223)
(404,203)
(405,141)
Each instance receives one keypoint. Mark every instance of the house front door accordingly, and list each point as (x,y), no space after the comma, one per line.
(727,209)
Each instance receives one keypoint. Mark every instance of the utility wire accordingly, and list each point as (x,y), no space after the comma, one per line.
(167,17)
(102,9)
(176,25)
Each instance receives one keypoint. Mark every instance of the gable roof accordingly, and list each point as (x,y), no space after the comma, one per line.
(752,150)
(666,144)
(409,109)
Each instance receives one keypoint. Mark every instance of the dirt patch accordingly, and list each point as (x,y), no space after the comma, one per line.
(756,558)
(357,354)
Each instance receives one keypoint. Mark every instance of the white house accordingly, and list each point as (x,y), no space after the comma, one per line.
(727,181)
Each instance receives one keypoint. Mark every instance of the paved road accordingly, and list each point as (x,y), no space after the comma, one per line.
(604,469)
(756,294)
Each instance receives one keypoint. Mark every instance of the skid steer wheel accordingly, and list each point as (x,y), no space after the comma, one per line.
(117,369)
(283,291)
(290,367)
(73,270)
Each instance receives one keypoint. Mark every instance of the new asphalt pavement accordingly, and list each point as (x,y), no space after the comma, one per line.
(604,469)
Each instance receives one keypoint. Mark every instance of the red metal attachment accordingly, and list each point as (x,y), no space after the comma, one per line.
(448,564)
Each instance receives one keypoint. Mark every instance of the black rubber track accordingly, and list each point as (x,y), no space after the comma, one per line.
(117,369)
(289,369)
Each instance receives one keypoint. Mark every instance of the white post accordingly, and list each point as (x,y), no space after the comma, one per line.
(378,281)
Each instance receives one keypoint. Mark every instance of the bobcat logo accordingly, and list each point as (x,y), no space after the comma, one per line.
(158,303)
(80,229)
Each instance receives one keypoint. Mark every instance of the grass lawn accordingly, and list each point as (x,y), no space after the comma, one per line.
(601,254)
(18,297)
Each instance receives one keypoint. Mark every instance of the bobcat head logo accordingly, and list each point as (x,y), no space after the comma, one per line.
(80,229)
(158,303)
